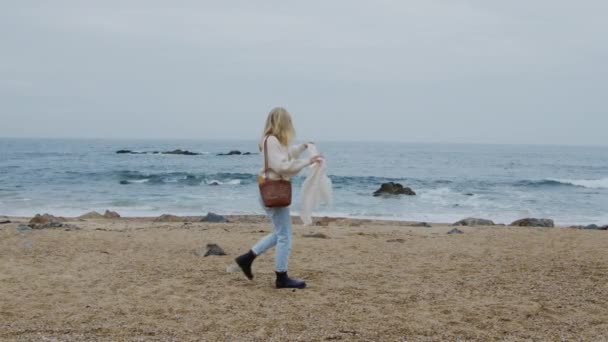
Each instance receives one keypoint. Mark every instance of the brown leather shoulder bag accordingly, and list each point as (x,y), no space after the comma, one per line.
(275,193)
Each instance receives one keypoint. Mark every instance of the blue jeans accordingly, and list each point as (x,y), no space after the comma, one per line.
(281,237)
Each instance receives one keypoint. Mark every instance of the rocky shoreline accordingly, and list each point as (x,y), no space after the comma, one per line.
(45,221)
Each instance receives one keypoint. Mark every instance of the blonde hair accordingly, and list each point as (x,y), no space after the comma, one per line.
(278,123)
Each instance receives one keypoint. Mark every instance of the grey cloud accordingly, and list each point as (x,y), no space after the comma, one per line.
(475,71)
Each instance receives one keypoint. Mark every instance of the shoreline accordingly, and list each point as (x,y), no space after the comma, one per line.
(317,220)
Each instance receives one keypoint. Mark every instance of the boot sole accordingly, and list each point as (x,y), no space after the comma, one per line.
(294,287)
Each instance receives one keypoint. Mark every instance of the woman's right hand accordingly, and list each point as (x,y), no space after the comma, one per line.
(316,159)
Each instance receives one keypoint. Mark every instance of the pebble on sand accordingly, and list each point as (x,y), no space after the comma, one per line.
(455,231)
(214,249)
(214,218)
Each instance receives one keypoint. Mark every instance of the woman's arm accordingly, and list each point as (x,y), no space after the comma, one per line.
(279,161)
(296,150)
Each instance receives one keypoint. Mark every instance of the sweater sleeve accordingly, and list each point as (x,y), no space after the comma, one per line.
(295,151)
(279,161)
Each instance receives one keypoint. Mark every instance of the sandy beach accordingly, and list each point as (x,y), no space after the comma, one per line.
(134,279)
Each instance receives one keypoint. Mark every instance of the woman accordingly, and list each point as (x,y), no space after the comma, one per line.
(283,163)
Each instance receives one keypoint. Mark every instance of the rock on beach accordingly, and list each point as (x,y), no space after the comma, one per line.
(533,222)
(471,221)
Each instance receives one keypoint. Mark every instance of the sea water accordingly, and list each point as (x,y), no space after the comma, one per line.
(452,181)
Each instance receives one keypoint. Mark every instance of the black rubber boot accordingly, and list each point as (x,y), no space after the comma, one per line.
(284,282)
(244,261)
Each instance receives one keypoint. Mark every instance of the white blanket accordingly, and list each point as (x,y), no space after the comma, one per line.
(316,188)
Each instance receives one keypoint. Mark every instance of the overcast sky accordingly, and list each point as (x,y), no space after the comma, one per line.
(418,71)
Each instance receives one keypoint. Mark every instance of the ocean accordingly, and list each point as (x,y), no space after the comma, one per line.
(69,177)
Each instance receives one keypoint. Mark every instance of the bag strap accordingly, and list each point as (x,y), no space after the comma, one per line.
(266,156)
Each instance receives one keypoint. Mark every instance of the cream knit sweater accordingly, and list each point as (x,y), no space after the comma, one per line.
(283,161)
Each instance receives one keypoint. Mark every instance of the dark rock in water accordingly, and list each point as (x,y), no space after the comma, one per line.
(111,214)
(231,153)
(129,152)
(533,222)
(396,240)
(182,152)
(455,231)
(178,151)
(214,218)
(421,224)
(392,188)
(316,235)
(4,220)
(471,221)
(214,249)
(168,218)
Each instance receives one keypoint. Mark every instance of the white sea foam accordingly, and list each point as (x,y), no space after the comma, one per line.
(139,180)
(230,182)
